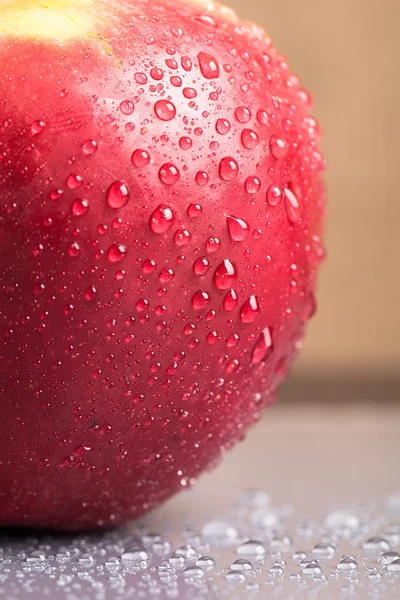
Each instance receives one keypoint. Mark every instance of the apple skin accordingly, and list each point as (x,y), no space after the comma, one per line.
(128,368)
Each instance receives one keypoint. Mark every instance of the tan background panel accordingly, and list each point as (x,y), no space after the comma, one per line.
(347,52)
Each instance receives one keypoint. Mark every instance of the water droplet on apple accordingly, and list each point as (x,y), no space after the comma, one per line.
(202,178)
(238,229)
(223,126)
(89,147)
(201,300)
(278,146)
(127,107)
(230,301)
(225,275)
(165,110)
(162,219)
(208,65)
(274,195)
(228,168)
(74,181)
(201,266)
(293,206)
(169,174)
(249,310)
(79,207)
(117,195)
(140,158)
(263,347)
(252,185)
(116,253)
(243,114)
(250,139)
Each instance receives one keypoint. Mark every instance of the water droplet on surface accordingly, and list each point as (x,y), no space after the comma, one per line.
(241,564)
(324,550)
(228,168)
(262,117)
(312,568)
(113,564)
(235,576)
(278,147)
(207,563)
(249,310)
(165,110)
(37,556)
(223,126)
(388,557)
(394,566)
(299,556)
(140,158)
(274,195)
(37,127)
(293,206)
(219,533)
(169,174)
(117,195)
(74,181)
(340,519)
(136,557)
(187,551)
(89,147)
(202,178)
(347,563)
(189,93)
(243,114)
(263,347)
(208,65)
(79,207)
(185,143)
(252,548)
(201,266)
(250,139)
(238,229)
(156,73)
(116,253)
(201,300)
(225,275)
(376,544)
(252,185)
(162,219)
(86,561)
(127,107)
(193,571)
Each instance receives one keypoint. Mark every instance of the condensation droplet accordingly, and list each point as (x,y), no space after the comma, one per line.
(169,174)
(238,229)
(263,347)
(252,185)
(162,219)
(274,195)
(228,168)
(79,207)
(249,310)
(201,300)
(165,110)
(116,253)
(140,158)
(243,114)
(223,126)
(225,275)
(278,147)
(208,65)
(117,195)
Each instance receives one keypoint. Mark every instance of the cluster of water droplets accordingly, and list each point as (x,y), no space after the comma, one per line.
(258,547)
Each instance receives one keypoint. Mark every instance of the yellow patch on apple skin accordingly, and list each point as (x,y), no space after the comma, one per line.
(46,19)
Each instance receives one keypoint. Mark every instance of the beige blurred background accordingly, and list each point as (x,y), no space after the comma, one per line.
(347,52)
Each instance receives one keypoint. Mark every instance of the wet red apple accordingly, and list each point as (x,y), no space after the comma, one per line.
(161,202)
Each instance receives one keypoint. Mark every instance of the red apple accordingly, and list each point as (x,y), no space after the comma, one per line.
(161,202)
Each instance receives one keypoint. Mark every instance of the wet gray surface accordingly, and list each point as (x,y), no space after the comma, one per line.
(326,484)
